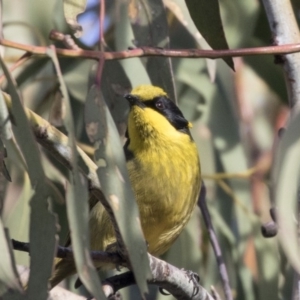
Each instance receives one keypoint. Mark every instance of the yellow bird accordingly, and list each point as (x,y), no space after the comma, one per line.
(164,170)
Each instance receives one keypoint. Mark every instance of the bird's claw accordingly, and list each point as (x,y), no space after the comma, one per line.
(162,291)
(195,279)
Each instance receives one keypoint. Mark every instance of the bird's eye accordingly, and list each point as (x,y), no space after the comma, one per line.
(159,104)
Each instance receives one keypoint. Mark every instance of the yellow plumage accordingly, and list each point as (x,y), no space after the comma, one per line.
(164,171)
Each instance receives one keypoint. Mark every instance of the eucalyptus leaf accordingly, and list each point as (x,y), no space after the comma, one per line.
(42,221)
(149,23)
(9,278)
(114,85)
(75,77)
(207,18)
(3,167)
(271,73)
(268,267)
(123,39)
(114,179)
(77,201)
(285,182)
(5,124)
(72,8)
(180,10)
(21,212)
(32,68)
(232,158)
(239,19)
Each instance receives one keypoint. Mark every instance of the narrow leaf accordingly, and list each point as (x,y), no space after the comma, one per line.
(286,189)
(5,135)
(9,278)
(77,201)
(207,18)
(42,221)
(150,28)
(114,179)
(181,12)
(72,8)
(114,85)
(5,124)
(21,212)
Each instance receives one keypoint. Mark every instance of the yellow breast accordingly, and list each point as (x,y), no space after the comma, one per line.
(165,176)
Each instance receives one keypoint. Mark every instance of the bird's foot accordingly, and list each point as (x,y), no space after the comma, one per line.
(195,279)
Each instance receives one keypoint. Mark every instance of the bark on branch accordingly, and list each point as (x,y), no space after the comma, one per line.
(180,283)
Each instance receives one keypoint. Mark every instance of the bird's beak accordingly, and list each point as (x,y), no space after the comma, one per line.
(134,100)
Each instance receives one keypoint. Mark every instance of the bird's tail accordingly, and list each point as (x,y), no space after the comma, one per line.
(63,269)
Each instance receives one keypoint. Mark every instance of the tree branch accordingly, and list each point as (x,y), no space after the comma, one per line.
(67,253)
(285,30)
(214,242)
(180,283)
(284,27)
(149,51)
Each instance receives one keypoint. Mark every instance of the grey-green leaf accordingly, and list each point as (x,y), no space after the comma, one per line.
(286,189)
(207,18)
(77,201)
(114,179)
(150,27)
(9,278)
(42,221)
(114,85)
(72,8)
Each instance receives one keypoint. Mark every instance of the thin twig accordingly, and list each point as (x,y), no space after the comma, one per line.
(149,51)
(101,25)
(228,190)
(66,39)
(100,67)
(241,175)
(214,242)
(101,44)
(67,253)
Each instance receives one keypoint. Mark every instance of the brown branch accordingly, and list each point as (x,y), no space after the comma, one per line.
(101,61)
(149,51)
(101,25)
(66,39)
(180,283)
(214,242)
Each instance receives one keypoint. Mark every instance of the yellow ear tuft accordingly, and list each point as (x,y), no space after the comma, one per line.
(148,92)
(190,125)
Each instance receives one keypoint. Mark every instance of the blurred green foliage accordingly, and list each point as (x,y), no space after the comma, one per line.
(236,116)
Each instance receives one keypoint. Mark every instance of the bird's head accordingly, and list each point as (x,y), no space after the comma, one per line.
(153,115)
